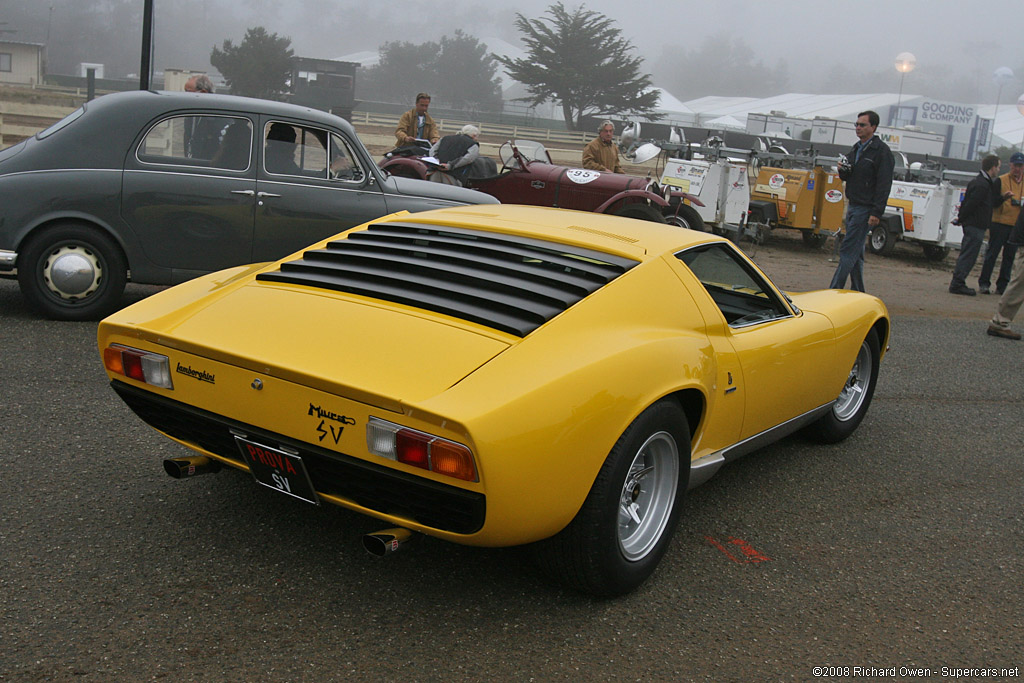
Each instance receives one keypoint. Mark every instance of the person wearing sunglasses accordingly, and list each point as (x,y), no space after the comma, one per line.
(868,176)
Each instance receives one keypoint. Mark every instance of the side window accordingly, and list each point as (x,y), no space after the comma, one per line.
(210,141)
(295,150)
(5,60)
(743,296)
(344,164)
(309,152)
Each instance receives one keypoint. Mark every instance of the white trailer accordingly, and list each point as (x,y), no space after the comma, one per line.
(722,184)
(922,213)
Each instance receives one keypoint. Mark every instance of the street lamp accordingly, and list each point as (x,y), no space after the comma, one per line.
(905,63)
(1020,108)
(1001,77)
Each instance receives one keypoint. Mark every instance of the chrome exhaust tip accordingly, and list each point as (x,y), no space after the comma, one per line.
(381,543)
(179,468)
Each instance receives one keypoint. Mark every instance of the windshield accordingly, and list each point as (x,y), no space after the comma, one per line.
(528,149)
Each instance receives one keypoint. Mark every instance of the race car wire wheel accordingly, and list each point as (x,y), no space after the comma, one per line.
(648,495)
(854,392)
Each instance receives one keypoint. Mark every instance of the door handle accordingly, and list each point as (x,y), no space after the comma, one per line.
(266,194)
(247,193)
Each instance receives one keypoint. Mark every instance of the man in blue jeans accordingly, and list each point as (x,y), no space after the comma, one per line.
(868,177)
(982,195)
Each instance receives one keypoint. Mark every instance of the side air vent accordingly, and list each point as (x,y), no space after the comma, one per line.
(509,283)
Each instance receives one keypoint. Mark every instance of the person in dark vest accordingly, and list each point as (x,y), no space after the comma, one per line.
(456,153)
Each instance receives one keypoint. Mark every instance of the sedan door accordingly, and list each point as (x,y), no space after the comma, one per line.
(312,184)
(189,192)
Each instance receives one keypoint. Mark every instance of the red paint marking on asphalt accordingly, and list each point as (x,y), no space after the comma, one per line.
(747,553)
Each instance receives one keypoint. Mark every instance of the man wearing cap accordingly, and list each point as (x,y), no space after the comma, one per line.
(1003,218)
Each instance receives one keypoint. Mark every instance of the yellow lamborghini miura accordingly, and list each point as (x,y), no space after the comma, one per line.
(498,375)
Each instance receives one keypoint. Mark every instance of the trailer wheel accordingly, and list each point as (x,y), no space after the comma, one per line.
(934,252)
(814,240)
(881,241)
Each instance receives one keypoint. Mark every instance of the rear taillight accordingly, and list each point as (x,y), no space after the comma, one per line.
(419,449)
(151,368)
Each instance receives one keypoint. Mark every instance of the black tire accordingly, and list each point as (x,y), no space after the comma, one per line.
(814,240)
(850,407)
(934,252)
(71,271)
(627,521)
(686,217)
(643,212)
(881,241)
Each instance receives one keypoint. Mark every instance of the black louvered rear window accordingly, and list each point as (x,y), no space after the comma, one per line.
(509,283)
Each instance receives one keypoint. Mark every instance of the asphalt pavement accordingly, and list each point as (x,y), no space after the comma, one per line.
(897,550)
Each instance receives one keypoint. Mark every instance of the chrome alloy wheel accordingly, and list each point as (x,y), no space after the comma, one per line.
(72,272)
(648,494)
(852,396)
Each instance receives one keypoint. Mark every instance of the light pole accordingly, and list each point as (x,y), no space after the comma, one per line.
(1020,109)
(1001,77)
(905,63)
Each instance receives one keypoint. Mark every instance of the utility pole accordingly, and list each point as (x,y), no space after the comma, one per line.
(146,69)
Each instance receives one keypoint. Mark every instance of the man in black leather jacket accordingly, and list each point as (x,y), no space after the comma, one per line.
(868,178)
(975,216)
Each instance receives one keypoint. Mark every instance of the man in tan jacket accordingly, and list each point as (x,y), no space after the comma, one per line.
(416,124)
(601,154)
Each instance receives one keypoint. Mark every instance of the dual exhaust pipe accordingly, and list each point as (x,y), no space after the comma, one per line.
(379,543)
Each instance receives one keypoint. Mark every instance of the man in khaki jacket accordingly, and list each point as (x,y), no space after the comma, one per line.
(601,154)
(417,124)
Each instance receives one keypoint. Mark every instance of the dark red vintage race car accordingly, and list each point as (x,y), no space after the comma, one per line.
(528,176)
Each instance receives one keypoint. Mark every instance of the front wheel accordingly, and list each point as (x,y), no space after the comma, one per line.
(72,271)
(849,409)
(626,523)
(643,212)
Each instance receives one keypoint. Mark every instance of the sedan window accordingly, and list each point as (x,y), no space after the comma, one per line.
(743,296)
(207,141)
(309,152)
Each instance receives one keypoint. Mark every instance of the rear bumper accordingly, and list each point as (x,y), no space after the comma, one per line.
(377,489)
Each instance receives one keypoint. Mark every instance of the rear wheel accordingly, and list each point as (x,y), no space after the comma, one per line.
(72,271)
(626,523)
(849,409)
(686,217)
(643,212)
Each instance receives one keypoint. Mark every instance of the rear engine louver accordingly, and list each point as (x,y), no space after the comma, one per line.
(509,283)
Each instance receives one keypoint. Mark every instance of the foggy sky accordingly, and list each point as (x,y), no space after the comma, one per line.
(810,37)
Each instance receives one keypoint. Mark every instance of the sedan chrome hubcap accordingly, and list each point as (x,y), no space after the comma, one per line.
(852,396)
(72,272)
(648,495)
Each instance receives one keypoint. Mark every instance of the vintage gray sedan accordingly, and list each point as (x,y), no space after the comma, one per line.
(160,187)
